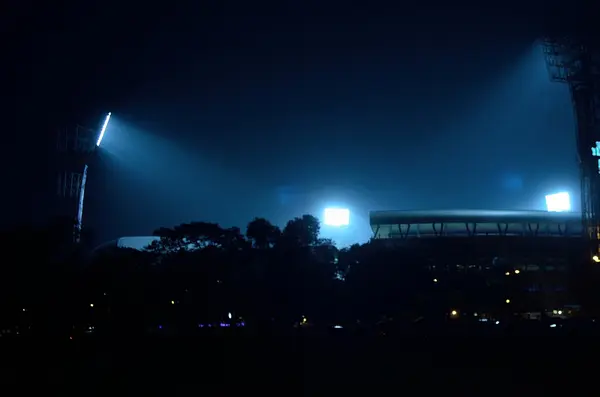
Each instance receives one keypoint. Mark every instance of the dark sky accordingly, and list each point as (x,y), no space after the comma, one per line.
(224,111)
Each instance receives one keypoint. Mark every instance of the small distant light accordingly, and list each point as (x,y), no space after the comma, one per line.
(595,258)
(160,327)
(105,294)
(507,273)
(337,326)
(172,302)
(70,337)
(435,280)
(507,301)
(24,310)
(560,312)
(497,322)
(229,315)
(453,313)
(91,305)
(554,311)
(552,325)
(517,271)
(475,314)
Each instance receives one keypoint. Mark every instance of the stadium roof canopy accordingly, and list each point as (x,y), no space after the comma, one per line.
(404,224)
(135,242)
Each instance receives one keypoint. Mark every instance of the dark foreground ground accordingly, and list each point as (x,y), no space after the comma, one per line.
(301,365)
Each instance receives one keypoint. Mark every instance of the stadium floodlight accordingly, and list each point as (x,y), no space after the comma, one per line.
(337,217)
(103,129)
(558,202)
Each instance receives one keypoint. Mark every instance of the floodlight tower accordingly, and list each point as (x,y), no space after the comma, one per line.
(575,60)
(75,148)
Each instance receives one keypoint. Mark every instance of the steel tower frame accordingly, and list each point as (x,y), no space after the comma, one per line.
(575,60)
(75,148)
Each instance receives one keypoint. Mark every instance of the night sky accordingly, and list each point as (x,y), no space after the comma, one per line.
(224,111)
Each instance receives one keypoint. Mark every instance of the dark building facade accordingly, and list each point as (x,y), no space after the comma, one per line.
(525,259)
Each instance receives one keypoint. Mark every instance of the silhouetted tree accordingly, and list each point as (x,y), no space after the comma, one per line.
(302,232)
(262,233)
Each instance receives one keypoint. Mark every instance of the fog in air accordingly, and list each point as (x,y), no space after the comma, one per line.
(247,123)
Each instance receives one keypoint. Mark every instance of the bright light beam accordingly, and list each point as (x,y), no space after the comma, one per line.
(103,129)
(337,217)
(558,202)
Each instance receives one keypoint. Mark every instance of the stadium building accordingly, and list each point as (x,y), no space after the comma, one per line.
(528,254)
(473,223)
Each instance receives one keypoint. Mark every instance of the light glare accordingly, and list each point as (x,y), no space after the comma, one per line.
(337,216)
(558,202)
(103,129)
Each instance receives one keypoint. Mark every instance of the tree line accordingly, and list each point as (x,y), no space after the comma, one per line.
(201,273)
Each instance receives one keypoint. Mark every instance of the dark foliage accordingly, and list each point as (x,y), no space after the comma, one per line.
(200,273)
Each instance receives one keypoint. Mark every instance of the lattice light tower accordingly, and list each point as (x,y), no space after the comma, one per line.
(75,148)
(575,60)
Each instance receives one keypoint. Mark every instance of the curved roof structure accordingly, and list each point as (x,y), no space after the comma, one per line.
(403,224)
(135,242)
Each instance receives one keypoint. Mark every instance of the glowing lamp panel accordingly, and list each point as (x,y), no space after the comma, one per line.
(336,217)
(103,130)
(558,202)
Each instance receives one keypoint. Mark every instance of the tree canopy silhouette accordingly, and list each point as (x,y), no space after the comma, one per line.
(200,273)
